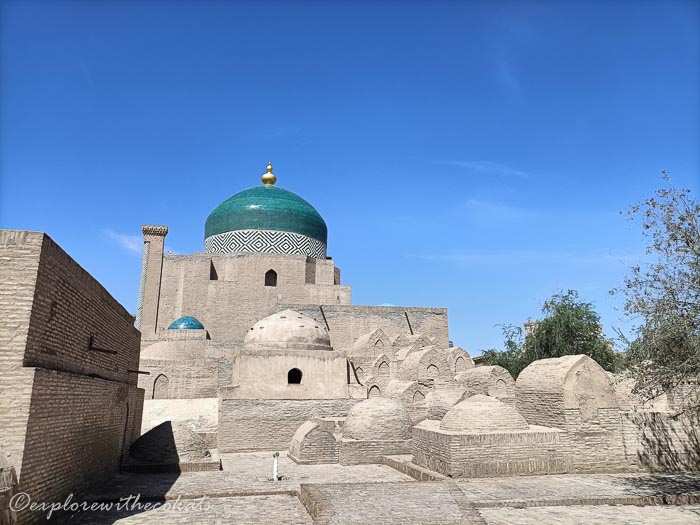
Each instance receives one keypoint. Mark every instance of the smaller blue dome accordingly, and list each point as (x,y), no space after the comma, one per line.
(186,322)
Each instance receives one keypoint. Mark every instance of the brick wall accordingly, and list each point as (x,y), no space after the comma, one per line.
(68,413)
(659,442)
(78,429)
(230,304)
(546,409)
(536,451)
(249,424)
(69,307)
(347,323)
(19,263)
(185,379)
(356,452)
(15,399)
(596,444)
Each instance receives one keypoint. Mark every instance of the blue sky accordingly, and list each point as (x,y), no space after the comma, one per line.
(471,155)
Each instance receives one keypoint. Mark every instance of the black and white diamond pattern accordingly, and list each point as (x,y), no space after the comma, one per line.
(265,241)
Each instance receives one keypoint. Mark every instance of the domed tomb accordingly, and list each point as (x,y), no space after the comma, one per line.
(440,401)
(266,219)
(378,419)
(288,330)
(482,414)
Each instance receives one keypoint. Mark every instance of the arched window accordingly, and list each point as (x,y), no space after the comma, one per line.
(294,376)
(418,398)
(271,278)
(500,389)
(160,387)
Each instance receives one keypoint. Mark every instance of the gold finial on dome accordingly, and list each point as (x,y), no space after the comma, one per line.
(268,177)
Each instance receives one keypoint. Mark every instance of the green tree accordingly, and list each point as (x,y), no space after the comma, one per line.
(663,296)
(511,358)
(569,327)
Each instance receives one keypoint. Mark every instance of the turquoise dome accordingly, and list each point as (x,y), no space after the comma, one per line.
(266,207)
(186,322)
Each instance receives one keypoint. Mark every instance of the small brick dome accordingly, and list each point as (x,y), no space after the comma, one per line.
(378,419)
(482,414)
(186,322)
(440,401)
(288,330)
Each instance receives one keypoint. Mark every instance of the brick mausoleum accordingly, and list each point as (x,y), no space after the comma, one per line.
(254,345)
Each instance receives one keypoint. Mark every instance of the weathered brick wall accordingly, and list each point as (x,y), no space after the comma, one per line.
(185,379)
(78,431)
(193,366)
(430,449)
(546,409)
(15,399)
(596,444)
(659,442)
(506,454)
(19,263)
(538,451)
(347,323)
(354,452)
(230,304)
(69,307)
(68,413)
(249,424)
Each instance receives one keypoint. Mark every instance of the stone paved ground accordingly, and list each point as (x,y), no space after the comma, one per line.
(594,515)
(377,494)
(277,509)
(245,474)
(450,502)
(578,489)
(436,503)
(258,466)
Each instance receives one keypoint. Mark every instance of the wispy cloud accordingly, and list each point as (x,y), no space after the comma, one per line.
(521,258)
(488,167)
(132,243)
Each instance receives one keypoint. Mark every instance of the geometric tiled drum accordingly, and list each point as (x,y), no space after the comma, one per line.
(265,241)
